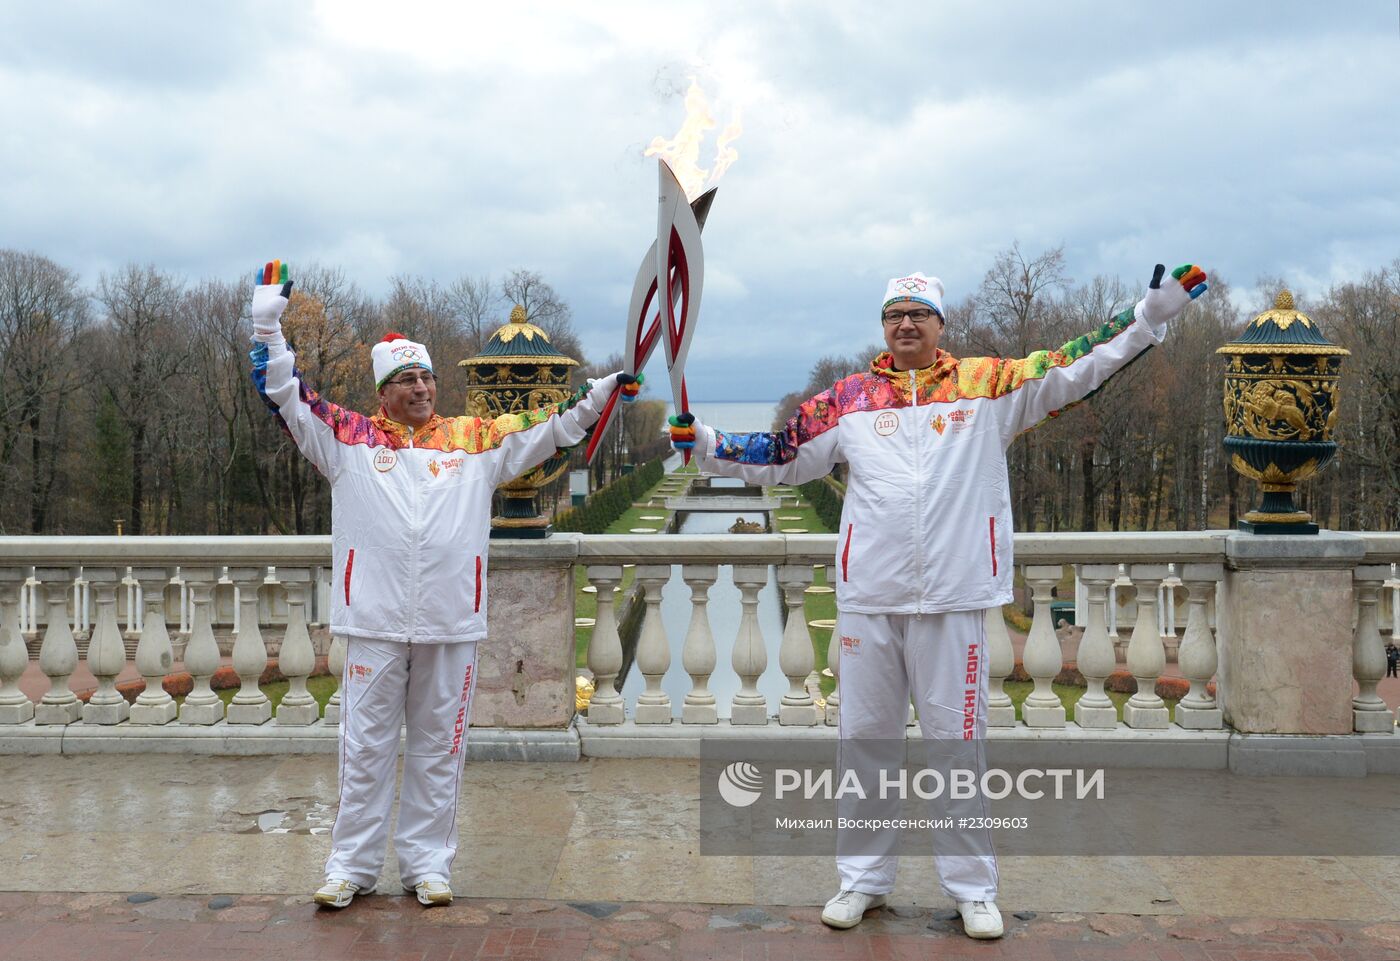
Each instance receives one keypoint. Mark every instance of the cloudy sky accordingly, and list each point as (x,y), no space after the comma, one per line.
(444,139)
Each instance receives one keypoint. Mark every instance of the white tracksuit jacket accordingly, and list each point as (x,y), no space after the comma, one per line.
(926,526)
(410,510)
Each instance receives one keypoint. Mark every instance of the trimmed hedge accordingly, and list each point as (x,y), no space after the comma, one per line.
(610,501)
(825,500)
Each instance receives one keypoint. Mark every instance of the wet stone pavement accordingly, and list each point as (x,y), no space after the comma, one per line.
(214,859)
(116,927)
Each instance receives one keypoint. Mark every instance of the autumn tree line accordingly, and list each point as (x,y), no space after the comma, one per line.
(1145,452)
(129,403)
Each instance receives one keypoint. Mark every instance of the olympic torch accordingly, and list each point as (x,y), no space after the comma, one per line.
(677,255)
(672,274)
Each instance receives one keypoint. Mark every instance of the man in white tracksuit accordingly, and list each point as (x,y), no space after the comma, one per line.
(410,517)
(926,533)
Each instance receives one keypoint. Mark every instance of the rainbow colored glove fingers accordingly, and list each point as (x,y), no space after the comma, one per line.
(1192,278)
(631,386)
(270,298)
(683,431)
(274,273)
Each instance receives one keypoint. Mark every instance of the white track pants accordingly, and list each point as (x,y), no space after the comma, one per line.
(941,660)
(429,688)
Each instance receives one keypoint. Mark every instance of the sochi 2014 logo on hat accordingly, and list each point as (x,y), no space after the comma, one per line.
(405,353)
(912,285)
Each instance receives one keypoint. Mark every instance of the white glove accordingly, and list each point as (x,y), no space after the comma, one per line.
(269,300)
(1163,303)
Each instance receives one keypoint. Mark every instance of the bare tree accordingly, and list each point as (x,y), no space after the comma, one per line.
(545,308)
(218,371)
(1012,308)
(477,304)
(42,309)
(142,353)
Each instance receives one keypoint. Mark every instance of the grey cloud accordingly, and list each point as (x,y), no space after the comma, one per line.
(1259,139)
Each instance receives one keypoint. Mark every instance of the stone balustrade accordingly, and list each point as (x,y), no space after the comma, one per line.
(1281,636)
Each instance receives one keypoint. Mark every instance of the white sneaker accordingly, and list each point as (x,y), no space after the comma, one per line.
(432,894)
(981,919)
(338,893)
(848,908)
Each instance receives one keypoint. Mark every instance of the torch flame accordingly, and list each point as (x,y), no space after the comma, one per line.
(682,152)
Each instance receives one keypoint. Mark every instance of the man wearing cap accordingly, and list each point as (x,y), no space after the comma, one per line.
(925,542)
(410,516)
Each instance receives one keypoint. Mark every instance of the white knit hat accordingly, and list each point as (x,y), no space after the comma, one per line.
(916,287)
(395,353)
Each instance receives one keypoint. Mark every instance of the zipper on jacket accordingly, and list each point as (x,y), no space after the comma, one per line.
(416,541)
(846,554)
(349,565)
(919,539)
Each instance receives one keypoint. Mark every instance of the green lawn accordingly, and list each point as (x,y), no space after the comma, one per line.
(321,688)
(808,514)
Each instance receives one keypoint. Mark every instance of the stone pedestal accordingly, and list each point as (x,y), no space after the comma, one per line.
(15,706)
(1286,635)
(526,663)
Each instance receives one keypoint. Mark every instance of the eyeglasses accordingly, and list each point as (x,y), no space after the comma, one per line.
(919,315)
(410,381)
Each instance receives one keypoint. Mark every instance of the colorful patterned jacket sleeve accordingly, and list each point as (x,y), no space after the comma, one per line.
(318,426)
(1033,388)
(517,442)
(806,448)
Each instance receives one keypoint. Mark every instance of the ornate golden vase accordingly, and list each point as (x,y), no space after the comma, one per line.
(519,370)
(1280,410)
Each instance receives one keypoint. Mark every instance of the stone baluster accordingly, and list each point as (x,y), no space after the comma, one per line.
(1147,657)
(1115,635)
(1042,657)
(833,663)
(250,705)
(653,650)
(79,618)
(795,655)
(750,658)
(1001,661)
(297,658)
(1095,658)
(1197,656)
(58,655)
(1368,712)
(25,606)
(605,649)
(698,655)
(321,606)
(335,663)
(133,604)
(106,652)
(1394,586)
(15,707)
(154,657)
(202,705)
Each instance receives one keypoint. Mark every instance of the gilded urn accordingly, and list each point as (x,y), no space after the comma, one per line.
(517,370)
(1281,407)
